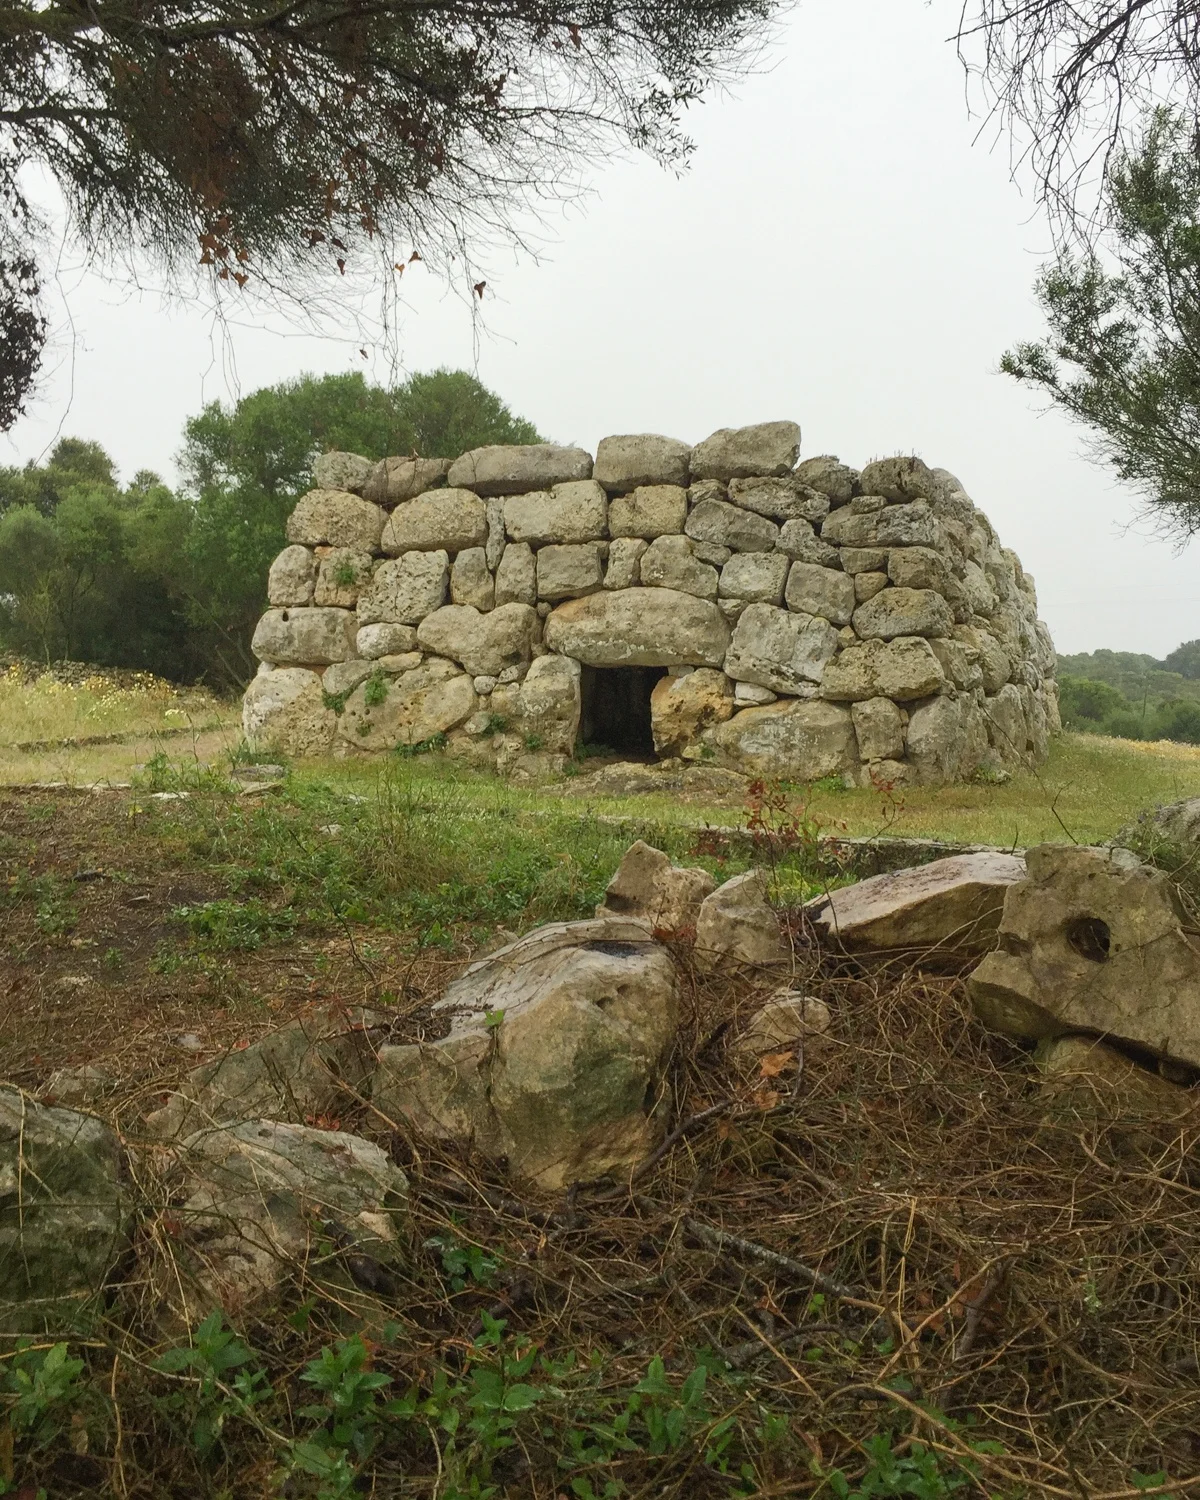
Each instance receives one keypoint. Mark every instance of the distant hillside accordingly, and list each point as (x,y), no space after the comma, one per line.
(1132,695)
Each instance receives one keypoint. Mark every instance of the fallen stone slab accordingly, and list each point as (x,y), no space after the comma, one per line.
(949,907)
(313,1066)
(738,928)
(1093,940)
(65,1215)
(1175,823)
(556,1054)
(789,1020)
(262,1199)
(649,887)
(1090,1077)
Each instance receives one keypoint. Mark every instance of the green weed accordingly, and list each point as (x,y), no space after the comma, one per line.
(234,924)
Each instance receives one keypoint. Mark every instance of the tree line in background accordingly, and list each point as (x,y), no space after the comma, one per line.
(1133,696)
(172,581)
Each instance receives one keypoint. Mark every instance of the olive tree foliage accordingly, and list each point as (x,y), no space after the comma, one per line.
(1075,80)
(1123,352)
(271,139)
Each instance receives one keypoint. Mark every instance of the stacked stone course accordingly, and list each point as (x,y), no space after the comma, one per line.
(814,620)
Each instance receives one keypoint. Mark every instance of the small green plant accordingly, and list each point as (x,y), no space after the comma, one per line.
(345,575)
(431,746)
(494,724)
(235,924)
(36,1387)
(113,960)
(375,690)
(534,742)
(918,1471)
(349,1413)
(224,1383)
(335,701)
(463,1263)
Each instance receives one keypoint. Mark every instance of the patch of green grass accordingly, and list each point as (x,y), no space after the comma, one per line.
(234,924)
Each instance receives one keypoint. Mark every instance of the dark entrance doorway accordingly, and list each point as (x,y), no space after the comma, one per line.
(616,708)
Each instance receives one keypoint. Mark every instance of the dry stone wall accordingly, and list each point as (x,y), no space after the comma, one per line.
(808,619)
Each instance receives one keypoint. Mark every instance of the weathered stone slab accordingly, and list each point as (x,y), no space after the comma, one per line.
(394,480)
(342,471)
(779,499)
(668,563)
(767,448)
(903,669)
(342,576)
(826,592)
(737,927)
(292,578)
(624,569)
(384,639)
(950,907)
(516,575)
(648,887)
(294,637)
(576,512)
(650,511)
(471,581)
(900,480)
(682,707)
(286,707)
(779,649)
(335,518)
(518,469)
(1092,940)
(405,589)
(829,476)
(879,729)
(626,462)
(799,541)
(569,571)
(902,612)
(484,644)
(790,740)
(65,1218)
(409,709)
(757,577)
(790,1020)
(440,521)
(730,526)
(657,627)
(912,525)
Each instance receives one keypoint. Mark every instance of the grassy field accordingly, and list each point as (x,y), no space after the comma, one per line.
(1012,1313)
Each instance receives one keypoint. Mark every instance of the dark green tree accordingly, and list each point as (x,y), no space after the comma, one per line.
(1185,660)
(72,462)
(1123,352)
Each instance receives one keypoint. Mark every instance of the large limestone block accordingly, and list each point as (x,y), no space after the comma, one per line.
(548,704)
(650,511)
(960,662)
(494,547)
(791,740)
(900,479)
(994,663)
(737,927)
(624,569)
(407,710)
(912,525)
(294,637)
(518,469)
(342,471)
(405,589)
(440,521)
(340,679)
(946,739)
(556,1055)
(903,670)
(639,627)
(903,612)
(668,563)
(1092,940)
(285,708)
(649,887)
(757,577)
(394,480)
(1006,728)
(343,575)
(293,578)
(726,525)
(628,461)
(257,1195)
(384,639)
(569,571)
(921,568)
(879,728)
(65,1218)
(768,448)
(335,518)
(867,585)
(830,477)
(682,707)
(484,644)
(471,581)
(779,499)
(516,575)
(312,1066)
(799,541)
(575,512)
(826,592)
(857,560)
(949,907)
(778,649)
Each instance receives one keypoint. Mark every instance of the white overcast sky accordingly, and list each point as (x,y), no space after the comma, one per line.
(842,251)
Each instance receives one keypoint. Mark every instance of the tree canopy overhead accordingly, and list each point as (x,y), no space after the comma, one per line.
(1076,80)
(265,138)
